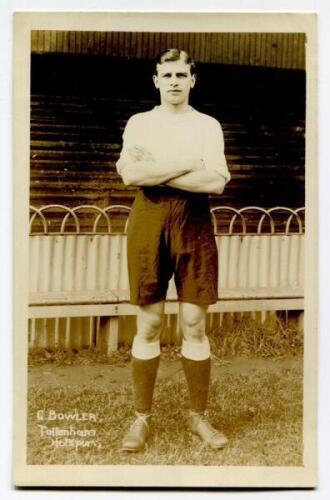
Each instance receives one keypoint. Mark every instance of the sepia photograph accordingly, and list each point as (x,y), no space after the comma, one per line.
(165,211)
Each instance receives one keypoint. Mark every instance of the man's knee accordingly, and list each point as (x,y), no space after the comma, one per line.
(149,323)
(192,319)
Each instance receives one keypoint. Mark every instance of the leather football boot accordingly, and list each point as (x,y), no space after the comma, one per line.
(137,435)
(199,425)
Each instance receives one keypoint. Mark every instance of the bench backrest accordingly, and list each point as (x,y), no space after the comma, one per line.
(93,266)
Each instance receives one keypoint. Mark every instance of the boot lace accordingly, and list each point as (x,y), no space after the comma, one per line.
(140,421)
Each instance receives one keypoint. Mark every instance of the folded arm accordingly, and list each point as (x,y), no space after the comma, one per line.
(150,173)
(138,168)
(214,175)
(201,181)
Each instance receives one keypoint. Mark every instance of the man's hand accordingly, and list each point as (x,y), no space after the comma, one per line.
(138,153)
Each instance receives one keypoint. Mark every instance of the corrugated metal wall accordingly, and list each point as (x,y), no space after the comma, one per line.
(277,50)
(76,140)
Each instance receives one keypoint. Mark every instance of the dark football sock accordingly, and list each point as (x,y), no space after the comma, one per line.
(144,372)
(198,378)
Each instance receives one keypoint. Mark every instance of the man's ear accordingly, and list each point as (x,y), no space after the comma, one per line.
(155,80)
(193,81)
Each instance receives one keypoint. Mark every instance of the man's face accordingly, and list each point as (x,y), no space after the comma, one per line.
(174,82)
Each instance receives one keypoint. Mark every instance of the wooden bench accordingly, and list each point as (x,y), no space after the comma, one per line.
(84,275)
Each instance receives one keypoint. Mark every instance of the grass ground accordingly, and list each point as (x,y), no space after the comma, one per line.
(260,412)
(259,408)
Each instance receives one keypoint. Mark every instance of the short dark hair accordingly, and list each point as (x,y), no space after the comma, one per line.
(175,55)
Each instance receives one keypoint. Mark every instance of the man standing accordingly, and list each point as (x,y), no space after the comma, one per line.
(175,154)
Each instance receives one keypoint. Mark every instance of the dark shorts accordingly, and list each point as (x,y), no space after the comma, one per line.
(171,232)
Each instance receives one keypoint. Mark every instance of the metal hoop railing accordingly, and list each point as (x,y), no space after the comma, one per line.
(105,214)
